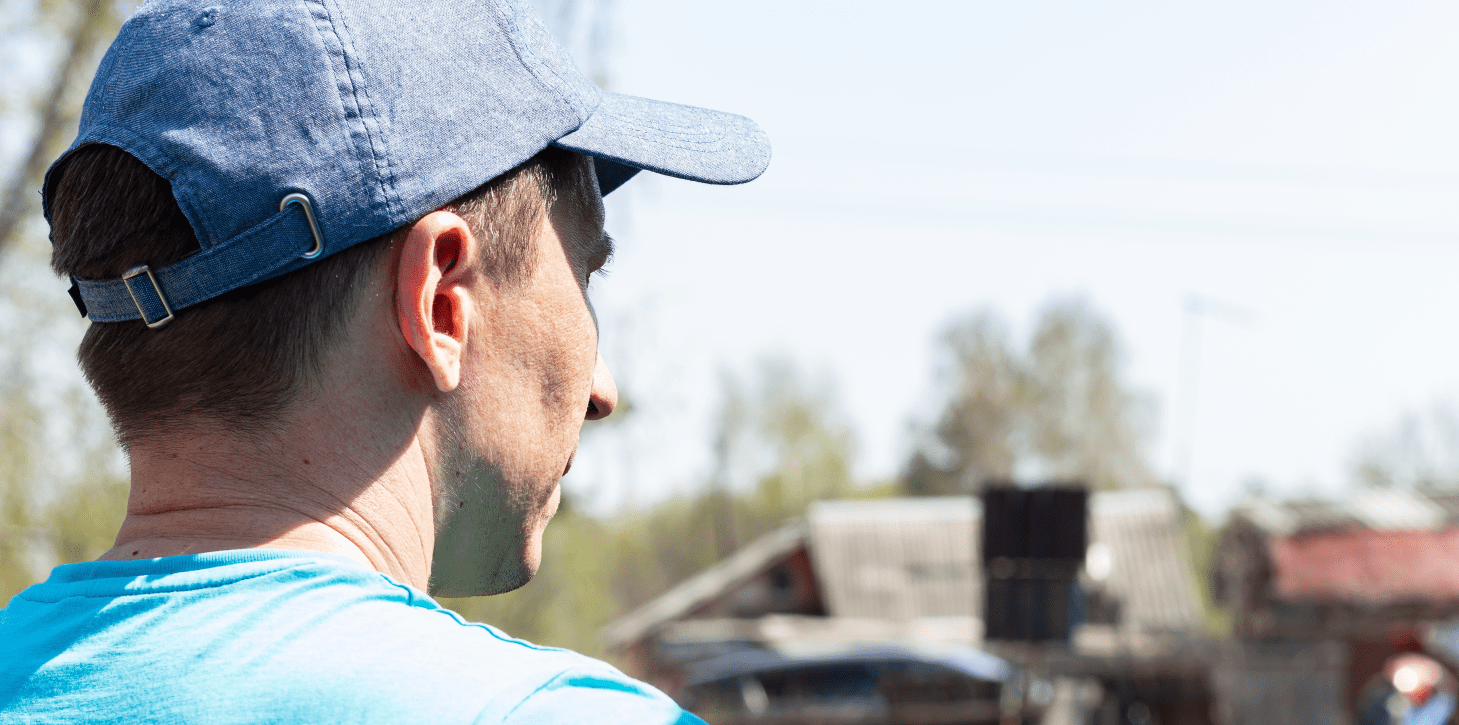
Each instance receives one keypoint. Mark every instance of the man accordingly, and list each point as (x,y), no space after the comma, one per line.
(336,255)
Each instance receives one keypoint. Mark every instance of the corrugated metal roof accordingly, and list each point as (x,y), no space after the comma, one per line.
(904,558)
(1320,515)
(897,558)
(903,510)
(911,558)
(1395,509)
(1367,566)
(1376,546)
(1150,572)
(1379,509)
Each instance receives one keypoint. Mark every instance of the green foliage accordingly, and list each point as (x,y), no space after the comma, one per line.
(78,525)
(1057,410)
(37,531)
(62,496)
(17,425)
(84,522)
(61,499)
(1202,541)
(86,27)
(568,601)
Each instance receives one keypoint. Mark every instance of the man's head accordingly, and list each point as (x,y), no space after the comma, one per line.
(239,361)
(501,274)
(519,372)
(367,215)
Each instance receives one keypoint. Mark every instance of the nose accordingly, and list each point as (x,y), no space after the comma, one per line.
(604,397)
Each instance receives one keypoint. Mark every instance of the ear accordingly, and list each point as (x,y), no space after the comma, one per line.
(433,293)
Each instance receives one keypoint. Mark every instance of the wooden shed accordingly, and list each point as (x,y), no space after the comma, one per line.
(907,571)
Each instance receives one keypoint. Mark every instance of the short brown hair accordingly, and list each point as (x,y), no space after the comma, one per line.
(241,359)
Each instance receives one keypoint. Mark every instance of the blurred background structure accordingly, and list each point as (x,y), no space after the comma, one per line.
(1198,258)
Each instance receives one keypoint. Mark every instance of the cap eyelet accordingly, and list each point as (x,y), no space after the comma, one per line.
(303,201)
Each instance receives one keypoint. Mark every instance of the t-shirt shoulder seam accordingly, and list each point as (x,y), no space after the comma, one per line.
(594,668)
(189,587)
(493,631)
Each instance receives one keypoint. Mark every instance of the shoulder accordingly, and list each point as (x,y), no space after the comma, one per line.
(433,650)
(522,682)
(584,690)
(319,639)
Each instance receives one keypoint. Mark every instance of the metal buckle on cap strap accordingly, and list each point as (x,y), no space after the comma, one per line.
(138,272)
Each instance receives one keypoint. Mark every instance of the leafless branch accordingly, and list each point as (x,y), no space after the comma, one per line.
(17,202)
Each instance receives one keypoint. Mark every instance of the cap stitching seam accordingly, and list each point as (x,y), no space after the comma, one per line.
(678,143)
(509,25)
(379,156)
(699,129)
(647,133)
(361,107)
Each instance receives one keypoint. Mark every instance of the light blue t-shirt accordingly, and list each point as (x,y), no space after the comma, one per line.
(282,636)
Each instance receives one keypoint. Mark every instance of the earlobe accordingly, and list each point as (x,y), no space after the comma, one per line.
(447,345)
(433,294)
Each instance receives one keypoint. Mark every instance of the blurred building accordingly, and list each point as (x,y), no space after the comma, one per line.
(888,593)
(1344,588)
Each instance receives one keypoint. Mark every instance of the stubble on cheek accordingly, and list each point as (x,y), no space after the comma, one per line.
(562,400)
(482,542)
(494,492)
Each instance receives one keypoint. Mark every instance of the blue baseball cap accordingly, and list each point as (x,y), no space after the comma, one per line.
(293,129)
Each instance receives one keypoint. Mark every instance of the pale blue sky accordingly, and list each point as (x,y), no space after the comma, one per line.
(1296,158)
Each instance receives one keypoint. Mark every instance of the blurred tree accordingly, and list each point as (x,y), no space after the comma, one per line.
(569,599)
(1087,424)
(976,437)
(1059,410)
(780,444)
(90,25)
(1202,547)
(1419,450)
(805,444)
(18,423)
(83,522)
(61,491)
(585,29)
(62,496)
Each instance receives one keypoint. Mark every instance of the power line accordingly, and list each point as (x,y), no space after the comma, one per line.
(1140,167)
(1089,218)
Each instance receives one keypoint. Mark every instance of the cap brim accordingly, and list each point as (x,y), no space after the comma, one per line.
(627,133)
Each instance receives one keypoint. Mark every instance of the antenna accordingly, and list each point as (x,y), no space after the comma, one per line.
(1198,307)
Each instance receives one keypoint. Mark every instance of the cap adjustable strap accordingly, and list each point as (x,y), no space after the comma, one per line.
(281,243)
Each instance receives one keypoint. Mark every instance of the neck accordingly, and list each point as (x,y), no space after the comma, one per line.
(321,485)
